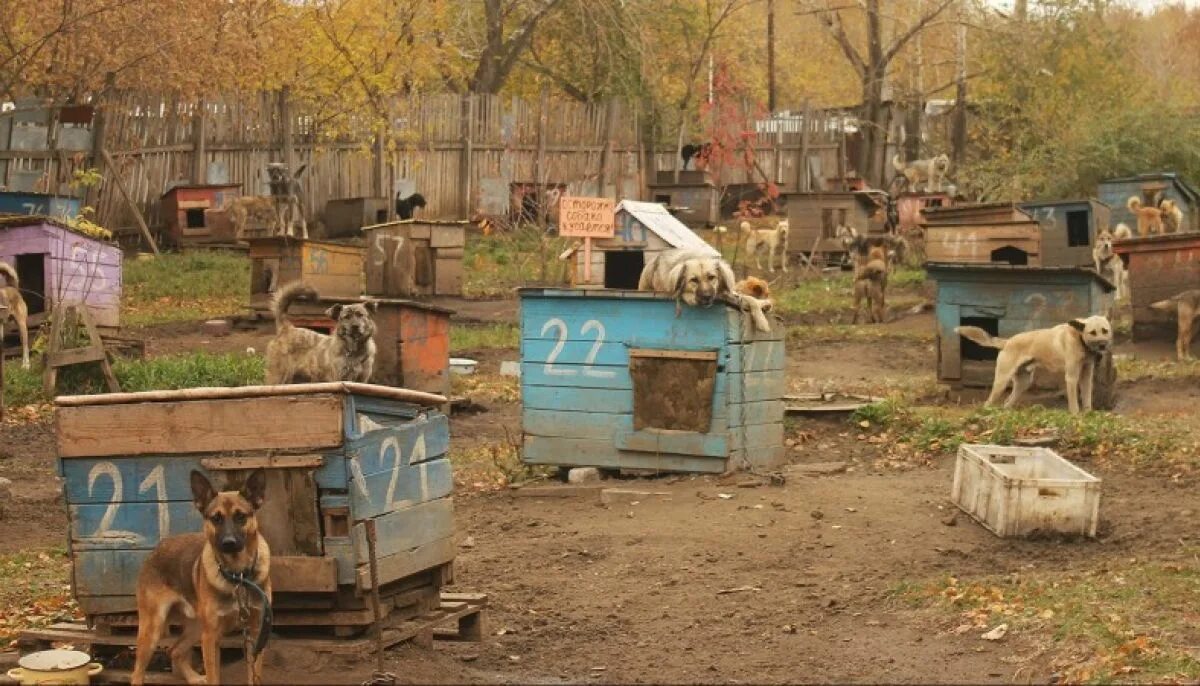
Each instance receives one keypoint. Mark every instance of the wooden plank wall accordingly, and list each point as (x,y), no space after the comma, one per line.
(459,151)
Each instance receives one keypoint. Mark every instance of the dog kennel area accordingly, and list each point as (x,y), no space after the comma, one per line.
(614,379)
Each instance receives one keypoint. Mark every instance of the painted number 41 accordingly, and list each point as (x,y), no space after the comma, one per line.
(589,363)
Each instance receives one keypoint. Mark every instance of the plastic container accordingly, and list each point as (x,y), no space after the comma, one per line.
(1016,491)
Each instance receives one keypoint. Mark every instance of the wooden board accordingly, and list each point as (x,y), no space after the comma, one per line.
(278,423)
(975,244)
(408,562)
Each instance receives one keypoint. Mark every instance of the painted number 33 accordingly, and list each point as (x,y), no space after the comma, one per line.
(589,368)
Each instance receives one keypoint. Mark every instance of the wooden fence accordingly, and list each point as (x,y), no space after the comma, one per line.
(464,154)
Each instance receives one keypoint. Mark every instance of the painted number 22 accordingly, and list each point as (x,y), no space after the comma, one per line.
(589,368)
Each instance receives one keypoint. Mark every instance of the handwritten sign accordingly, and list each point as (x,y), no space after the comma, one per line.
(586,217)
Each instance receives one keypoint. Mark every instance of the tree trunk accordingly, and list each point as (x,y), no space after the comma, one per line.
(771,56)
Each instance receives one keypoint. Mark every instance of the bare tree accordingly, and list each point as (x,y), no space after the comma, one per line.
(872,67)
(503,46)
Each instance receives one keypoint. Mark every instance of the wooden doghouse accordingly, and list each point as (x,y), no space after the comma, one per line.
(412,340)
(911,208)
(1005,300)
(415,257)
(994,233)
(1158,268)
(1164,185)
(813,219)
(1069,229)
(42,204)
(695,196)
(57,263)
(337,456)
(614,379)
(334,269)
(346,217)
(193,213)
(643,229)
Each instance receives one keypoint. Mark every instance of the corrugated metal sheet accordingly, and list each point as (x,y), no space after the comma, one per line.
(656,218)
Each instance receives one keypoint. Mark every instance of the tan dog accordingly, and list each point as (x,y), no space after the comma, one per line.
(870,283)
(253,210)
(698,279)
(775,239)
(1172,216)
(1149,219)
(186,581)
(1108,263)
(1186,306)
(931,171)
(1071,349)
(753,287)
(297,355)
(13,305)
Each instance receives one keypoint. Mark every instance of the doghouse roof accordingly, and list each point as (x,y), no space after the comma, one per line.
(16,221)
(1015,270)
(655,217)
(1184,187)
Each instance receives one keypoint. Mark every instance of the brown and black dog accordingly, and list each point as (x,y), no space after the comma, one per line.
(185,581)
(870,283)
(1186,306)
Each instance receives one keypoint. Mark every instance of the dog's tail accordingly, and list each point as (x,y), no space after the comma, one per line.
(1168,305)
(10,275)
(897,164)
(1134,203)
(1122,232)
(980,337)
(284,297)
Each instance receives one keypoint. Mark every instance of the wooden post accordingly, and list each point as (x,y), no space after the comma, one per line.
(541,175)
(771,57)
(610,116)
(199,154)
(137,213)
(587,261)
(803,183)
(379,165)
(468,127)
(842,159)
(287,153)
(99,131)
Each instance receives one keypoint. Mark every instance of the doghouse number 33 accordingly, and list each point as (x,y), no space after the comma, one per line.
(590,327)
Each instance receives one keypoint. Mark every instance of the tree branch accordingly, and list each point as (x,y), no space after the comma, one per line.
(831,19)
(916,28)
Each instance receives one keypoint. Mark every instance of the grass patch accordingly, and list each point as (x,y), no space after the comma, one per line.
(184,287)
(24,387)
(35,591)
(1099,436)
(1135,623)
(836,294)
(1132,369)
(495,265)
(814,333)
(464,337)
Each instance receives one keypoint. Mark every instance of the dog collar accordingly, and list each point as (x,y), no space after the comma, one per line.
(242,577)
(1108,259)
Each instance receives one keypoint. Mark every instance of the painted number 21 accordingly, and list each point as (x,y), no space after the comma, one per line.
(589,368)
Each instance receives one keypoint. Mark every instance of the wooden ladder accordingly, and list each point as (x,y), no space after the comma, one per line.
(66,319)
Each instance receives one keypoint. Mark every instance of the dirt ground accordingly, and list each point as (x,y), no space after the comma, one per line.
(706,581)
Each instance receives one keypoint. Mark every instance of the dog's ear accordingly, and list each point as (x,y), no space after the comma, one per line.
(203,491)
(300,171)
(677,276)
(255,488)
(334,312)
(726,277)
(1077,324)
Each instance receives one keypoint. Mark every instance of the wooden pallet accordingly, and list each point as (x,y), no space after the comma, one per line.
(459,617)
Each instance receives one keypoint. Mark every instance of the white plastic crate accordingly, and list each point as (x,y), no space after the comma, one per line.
(1017,491)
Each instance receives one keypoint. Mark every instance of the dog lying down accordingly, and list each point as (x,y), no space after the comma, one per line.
(700,279)
(1072,349)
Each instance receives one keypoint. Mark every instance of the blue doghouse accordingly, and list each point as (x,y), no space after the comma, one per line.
(614,379)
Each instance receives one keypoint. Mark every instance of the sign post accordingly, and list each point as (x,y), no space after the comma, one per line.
(586,218)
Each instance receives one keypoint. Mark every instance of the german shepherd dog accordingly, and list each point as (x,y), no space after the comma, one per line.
(186,581)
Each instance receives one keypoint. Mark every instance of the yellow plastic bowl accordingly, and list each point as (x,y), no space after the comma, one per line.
(55,667)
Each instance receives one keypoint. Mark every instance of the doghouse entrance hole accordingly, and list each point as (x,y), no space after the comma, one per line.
(831,219)
(195,218)
(1077,229)
(623,268)
(381,216)
(673,389)
(662,199)
(973,351)
(1010,255)
(31,268)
